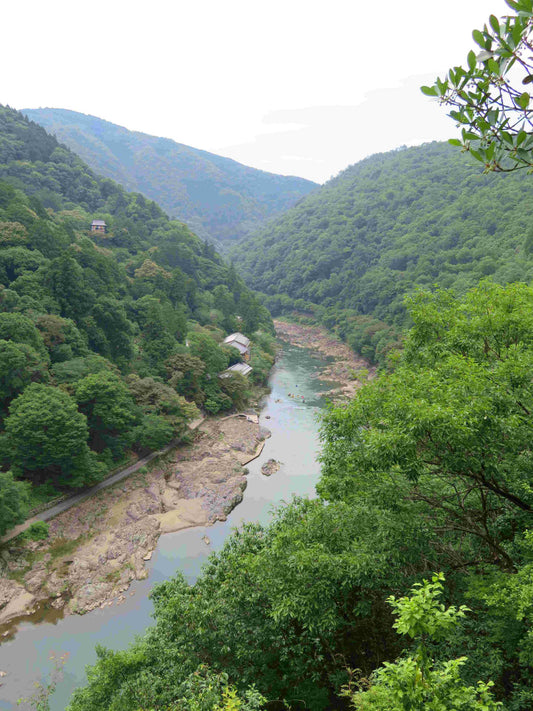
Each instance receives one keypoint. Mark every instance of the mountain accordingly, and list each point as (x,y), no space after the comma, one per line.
(383,227)
(108,339)
(221,200)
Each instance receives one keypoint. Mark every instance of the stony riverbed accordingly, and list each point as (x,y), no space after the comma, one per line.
(345,367)
(96,548)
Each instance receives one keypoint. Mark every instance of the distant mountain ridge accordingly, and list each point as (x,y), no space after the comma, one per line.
(394,222)
(221,200)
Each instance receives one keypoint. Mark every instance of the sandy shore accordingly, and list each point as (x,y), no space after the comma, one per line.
(346,368)
(96,548)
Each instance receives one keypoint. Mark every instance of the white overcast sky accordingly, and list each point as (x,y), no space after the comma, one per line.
(291,86)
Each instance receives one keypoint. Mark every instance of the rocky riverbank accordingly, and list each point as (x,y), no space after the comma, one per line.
(95,549)
(345,368)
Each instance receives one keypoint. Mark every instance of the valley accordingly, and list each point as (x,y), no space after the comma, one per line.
(289,422)
(327,388)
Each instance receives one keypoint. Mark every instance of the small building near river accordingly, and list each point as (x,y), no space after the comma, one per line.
(240,342)
(241,368)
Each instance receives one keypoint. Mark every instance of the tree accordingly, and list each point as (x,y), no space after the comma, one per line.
(47,438)
(114,329)
(61,337)
(417,682)
(13,501)
(108,405)
(205,347)
(157,342)
(185,373)
(66,282)
(20,329)
(489,99)
(156,398)
(20,365)
(453,420)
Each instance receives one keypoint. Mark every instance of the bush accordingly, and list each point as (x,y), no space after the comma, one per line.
(38,531)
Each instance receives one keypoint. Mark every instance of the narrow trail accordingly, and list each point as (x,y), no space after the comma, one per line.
(87,493)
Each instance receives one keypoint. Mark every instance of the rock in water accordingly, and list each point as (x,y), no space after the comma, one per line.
(270,467)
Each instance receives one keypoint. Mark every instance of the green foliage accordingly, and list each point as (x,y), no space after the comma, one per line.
(350,252)
(159,399)
(110,410)
(223,201)
(20,329)
(489,99)
(46,437)
(236,387)
(38,531)
(13,501)
(452,419)
(416,682)
(152,434)
(20,365)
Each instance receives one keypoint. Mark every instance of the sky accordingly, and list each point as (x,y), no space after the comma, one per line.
(297,87)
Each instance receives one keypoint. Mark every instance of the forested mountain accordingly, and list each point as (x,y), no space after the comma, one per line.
(107,340)
(393,222)
(218,198)
(428,469)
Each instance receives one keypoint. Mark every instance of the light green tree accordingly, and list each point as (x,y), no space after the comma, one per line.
(417,682)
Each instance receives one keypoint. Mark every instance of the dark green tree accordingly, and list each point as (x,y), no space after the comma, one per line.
(13,501)
(20,365)
(110,410)
(46,438)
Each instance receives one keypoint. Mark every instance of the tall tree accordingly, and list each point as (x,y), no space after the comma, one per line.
(46,438)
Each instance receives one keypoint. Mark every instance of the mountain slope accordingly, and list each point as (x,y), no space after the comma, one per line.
(393,222)
(108,340)
(220,199)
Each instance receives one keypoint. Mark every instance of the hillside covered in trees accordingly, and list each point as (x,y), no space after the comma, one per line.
(406,585)
(427,469)
(396,221)
(219,199)
(108,341)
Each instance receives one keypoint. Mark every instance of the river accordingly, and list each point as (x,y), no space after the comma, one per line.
(294,442)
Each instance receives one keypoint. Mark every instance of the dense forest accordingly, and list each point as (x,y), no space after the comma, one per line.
(108,341)
(428,469)
(397,221)
(407,583)
(219,199)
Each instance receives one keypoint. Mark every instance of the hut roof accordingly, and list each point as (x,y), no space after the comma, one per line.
(241,368)
(239,338)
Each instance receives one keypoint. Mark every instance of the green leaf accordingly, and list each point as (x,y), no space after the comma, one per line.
(471,59)
(493,66)
(523,100)
(455,142)
(429,90)
(479,38)
(494,24)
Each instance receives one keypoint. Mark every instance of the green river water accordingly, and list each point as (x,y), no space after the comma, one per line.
(294,442)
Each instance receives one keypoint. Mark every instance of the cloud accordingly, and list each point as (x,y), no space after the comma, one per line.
(319,141)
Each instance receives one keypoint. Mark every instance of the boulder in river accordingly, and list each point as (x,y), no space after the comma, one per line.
(270,467)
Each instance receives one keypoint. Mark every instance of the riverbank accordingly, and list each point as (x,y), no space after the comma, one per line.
(345,368)
(97,548)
